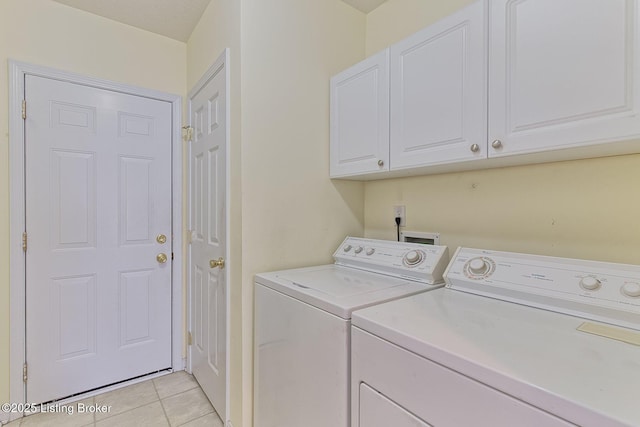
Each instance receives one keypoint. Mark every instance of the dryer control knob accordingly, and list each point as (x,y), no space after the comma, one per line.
(478,266)
(347,248)
(370,251)
(631,289)
(590,283)
(359,249)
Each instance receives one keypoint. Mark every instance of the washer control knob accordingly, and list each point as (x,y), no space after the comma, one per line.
(631,289)
(590,283)
(478,266)
(347,248)
(359,249)
(413,257)
(370,251)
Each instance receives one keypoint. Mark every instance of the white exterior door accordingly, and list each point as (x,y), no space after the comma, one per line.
(438,92)
(208,225)
(98,193)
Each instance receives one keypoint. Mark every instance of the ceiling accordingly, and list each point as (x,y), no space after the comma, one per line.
(172,18)
(365,6)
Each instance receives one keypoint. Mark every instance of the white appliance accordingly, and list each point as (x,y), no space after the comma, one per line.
(302,326)
(448,358)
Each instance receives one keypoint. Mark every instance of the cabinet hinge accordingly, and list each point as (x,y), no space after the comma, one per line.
(24,109)
(189,338)
(24,372)
(24,241)
(188,136)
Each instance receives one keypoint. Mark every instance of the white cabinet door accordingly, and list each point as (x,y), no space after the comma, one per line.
(438,92)
(563,74)
(360,118)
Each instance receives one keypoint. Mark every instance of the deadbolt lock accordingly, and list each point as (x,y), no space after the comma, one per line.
(161,238)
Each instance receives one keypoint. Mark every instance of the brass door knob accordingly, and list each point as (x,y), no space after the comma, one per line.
(217,263)
(161,258)
(161,238)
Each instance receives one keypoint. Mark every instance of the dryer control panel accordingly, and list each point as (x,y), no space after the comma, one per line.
(413,261)
(601,291)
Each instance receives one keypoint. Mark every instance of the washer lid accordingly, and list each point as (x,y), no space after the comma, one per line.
(534,355)
(340,290)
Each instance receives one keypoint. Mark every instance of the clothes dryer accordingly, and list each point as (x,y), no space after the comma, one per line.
(513,340)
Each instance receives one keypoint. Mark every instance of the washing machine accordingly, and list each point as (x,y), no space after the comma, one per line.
(302,326)
(512,340)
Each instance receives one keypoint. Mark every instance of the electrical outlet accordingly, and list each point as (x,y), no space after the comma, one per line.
(399,211)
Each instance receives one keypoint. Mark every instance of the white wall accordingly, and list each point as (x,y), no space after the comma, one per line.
(285,210)
(292,214)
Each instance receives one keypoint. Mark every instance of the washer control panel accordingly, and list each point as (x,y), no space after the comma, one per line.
(595,290)
(414,261)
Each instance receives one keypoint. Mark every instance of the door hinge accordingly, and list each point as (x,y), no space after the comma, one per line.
(189,237)
(189,338)
(24,109)
(24,241)
(24,372)
(188,136)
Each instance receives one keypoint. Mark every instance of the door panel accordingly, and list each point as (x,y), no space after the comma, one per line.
(98,191)
(208,234)
(562,74)
(438,92)
(360,118)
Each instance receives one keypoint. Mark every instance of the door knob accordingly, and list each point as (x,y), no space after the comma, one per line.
(161,258)
(217,263)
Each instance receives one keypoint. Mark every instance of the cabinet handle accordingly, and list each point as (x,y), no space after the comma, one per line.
(380,163)
(474,148)
(496,144)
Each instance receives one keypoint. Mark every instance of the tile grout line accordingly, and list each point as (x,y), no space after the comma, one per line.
(164,411)
(128,410)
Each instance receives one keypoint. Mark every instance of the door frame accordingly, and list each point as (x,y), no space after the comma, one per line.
(17,257)
(222,62)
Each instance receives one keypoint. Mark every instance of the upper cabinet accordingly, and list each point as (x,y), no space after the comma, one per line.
(360,118)
(501,82)
(563,74)
(438,92)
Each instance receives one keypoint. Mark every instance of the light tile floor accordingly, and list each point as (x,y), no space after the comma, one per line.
(171,400)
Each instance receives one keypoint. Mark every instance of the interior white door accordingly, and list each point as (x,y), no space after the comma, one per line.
(98,192)
(208,221)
